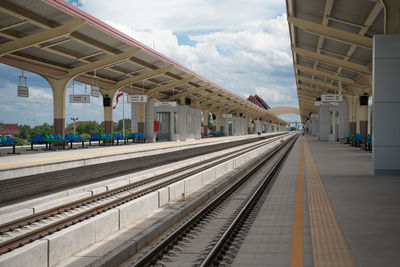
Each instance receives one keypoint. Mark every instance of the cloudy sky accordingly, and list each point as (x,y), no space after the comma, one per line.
(243,46)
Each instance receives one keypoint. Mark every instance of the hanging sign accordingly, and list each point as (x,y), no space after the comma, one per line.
(331,98)
(326,104)
(94,91)
(23,91)
(165,104)
(227,115)
(79,98)
(137,98)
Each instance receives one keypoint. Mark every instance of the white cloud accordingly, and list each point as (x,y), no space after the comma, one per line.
(40,94)
(273,94)
(239,60)
(183,15)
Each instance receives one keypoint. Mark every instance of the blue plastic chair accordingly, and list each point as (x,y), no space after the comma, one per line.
(10,142)
(141,137)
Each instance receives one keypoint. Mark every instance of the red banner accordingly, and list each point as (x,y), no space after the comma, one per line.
(117,100)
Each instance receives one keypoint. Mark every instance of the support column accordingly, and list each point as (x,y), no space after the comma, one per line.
(134,118)
(218,122)
(205,122)
(141,117)
(386,80)
(108,110)
(108,119)
(363,116)
(214,123)
(59,88)
(249,125)
(352,101)
(222,123)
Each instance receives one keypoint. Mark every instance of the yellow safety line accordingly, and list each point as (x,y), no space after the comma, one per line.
(108,152)
(328,243)
(296,252)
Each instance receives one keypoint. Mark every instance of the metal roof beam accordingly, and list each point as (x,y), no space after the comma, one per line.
(327,75)
(333,61)
(169,85)
(208,95)
(143,76)
(332,33)
(43,36)
(318,83)
(112,60)
(191,91)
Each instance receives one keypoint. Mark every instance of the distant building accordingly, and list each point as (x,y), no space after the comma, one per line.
(258,101)
(8,128)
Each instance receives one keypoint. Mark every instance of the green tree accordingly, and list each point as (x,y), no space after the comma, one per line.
(89,128)
(43,129)
(117,127)
(24,132)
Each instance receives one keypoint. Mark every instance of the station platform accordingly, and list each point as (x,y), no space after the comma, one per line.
(25,163)
(326,208)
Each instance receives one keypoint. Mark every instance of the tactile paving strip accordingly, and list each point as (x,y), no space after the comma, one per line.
(329,246)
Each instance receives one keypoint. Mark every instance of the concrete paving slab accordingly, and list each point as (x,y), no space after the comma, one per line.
(137,209)
(68,242)
(176,191)
(30,255)
(366,206)
(14,215)
(193,183)
(58,202)
(163,197)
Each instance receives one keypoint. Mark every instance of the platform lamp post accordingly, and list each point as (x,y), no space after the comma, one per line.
(74,119)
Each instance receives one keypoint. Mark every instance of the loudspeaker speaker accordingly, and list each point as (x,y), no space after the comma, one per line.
(241,114)
(364,100)
(214,117)
(188,101)
(106,101)
(318,99)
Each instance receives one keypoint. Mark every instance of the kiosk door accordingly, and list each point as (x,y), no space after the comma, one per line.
(164,133)
(230,128)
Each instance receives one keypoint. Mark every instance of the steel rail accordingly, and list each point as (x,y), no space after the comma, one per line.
(185,228)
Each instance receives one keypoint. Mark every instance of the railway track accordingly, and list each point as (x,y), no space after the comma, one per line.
(214,233)
(26,230)
(27,187)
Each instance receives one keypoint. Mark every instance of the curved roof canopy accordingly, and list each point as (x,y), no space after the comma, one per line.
(284,110)
(57,40)
(332,40)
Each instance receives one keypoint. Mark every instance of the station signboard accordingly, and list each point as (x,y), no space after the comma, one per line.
(326,104)
(79,98)
(331,98)
(227,115)
(165,104)
(23,91)
(95,91)
(137,98)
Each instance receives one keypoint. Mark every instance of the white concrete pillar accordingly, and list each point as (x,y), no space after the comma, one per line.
(59,88)
(134,118)
(218,122)
(386,101)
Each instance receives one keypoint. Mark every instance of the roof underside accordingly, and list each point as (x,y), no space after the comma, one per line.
(332,40)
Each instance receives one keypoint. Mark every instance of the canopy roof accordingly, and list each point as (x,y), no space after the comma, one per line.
(332,39)
(56,40)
